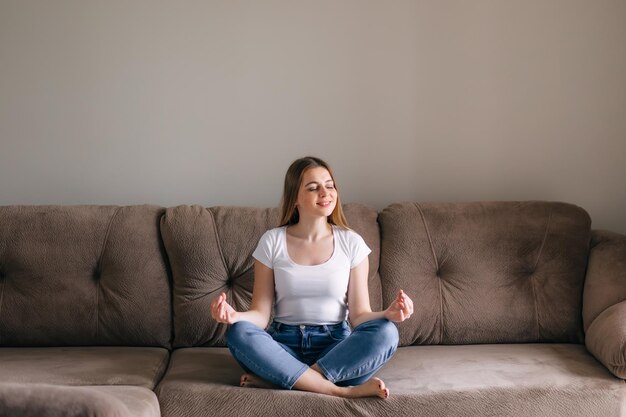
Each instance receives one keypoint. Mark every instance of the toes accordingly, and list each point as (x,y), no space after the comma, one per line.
(243,380)
(381,384)
(383,390)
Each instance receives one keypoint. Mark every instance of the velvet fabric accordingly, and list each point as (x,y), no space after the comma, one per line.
(210,250)
(91,301)
(92,365)
(606,339)
(605,283)
(518,380)
(604,302)
(83,275)
(41,400)
(489,272)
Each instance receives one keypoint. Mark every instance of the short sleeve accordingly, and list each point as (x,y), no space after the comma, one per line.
(359,248)
(263,252)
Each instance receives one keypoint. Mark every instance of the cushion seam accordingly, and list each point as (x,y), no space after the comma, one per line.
(99,270)
(432,248)
(1,299)
(217,241)
(430,242)
(543,241)
(601,312)
(533,279)
(162,366)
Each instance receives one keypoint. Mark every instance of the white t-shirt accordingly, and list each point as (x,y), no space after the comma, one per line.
(311,294)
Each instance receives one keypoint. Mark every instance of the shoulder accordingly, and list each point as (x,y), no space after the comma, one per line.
(346,232)
(272,234)
(349,238)
(268,245)
(275,230)
(354,245)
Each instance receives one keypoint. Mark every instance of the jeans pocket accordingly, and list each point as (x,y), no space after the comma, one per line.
(338,333)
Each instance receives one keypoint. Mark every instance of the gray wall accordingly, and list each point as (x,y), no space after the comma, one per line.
(207,102)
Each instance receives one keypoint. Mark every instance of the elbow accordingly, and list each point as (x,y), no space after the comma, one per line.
(264,319)
(357,318)
(265,323)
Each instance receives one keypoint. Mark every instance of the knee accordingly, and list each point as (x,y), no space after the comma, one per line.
(238,332)
(388,332)
(383,330)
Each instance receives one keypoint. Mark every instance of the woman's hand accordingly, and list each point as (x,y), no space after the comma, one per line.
(222,312)
(401,308)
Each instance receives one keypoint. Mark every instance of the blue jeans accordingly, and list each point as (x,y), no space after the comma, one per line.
(283,353)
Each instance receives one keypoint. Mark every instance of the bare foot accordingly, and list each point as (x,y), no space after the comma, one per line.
(253,381)
(375,387)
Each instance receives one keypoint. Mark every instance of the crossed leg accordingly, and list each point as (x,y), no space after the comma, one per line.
(312,378)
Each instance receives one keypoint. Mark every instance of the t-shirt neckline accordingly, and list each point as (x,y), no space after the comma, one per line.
(334,230)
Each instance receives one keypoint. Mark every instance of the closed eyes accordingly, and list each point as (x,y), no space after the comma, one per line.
(330,187)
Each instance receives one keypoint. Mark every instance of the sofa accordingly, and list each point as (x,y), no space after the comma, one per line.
(520,310)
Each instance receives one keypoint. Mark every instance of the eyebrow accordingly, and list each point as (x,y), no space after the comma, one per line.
(313,182)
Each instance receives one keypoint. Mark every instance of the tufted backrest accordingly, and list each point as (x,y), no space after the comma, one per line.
(83,275)
(492,272)
(210,250)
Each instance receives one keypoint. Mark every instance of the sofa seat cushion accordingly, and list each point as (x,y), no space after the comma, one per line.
(84,365)
(504,379)
(42,400)
(522,380)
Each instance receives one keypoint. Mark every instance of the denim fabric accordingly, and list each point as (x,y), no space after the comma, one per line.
(283,353)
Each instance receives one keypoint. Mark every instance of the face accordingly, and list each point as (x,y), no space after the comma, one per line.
(317,195)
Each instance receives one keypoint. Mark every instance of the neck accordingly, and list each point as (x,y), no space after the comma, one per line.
(311,229)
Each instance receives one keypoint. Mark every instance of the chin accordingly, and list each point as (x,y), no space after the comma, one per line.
(324,213)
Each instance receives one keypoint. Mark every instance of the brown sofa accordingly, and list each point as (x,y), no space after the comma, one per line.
(104,311)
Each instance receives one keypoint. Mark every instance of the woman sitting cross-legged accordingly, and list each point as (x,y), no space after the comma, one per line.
(313,271)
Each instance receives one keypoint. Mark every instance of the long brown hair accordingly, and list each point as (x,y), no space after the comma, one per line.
(293,179)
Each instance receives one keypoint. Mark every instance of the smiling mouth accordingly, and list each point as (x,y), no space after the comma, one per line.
(326,204)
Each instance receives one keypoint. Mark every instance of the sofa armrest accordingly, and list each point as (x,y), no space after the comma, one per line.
(606,339)
(604,301)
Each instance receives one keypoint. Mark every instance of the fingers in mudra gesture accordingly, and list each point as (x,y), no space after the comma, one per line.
(221,311)
(400,309)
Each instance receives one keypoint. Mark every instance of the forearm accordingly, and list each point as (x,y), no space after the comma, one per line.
(365,316)
(253,316)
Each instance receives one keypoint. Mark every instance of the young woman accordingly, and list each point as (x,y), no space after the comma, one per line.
(313,271)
